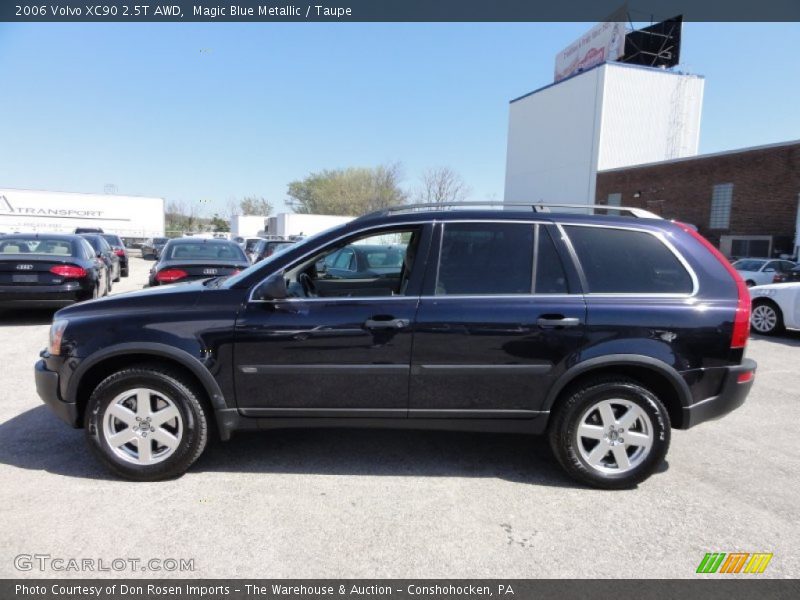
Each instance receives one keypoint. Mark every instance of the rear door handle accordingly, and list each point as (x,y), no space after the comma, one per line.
(386,324)
(558,321)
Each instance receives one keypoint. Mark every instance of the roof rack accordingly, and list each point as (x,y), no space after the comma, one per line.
(538,207)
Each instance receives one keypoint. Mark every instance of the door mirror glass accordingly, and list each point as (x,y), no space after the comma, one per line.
(272,288)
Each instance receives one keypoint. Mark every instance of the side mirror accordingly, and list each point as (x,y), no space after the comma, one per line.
(272,288)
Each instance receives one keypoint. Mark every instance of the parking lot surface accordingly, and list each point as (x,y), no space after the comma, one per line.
(338,503)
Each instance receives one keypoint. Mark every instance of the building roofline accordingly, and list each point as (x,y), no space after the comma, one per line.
(613,63)
(703,156)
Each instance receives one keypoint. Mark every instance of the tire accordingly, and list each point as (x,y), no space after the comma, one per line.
(766,319)
(749,283)
(108,286)
(124,272)
(582,456)
(172,446)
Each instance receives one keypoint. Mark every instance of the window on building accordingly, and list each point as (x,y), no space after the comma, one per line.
(615,199)
(721,200)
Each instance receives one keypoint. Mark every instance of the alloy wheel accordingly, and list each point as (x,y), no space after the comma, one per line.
(143,426)
(764,318)
(614,436)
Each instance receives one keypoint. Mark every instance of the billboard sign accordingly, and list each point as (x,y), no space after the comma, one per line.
(602,43)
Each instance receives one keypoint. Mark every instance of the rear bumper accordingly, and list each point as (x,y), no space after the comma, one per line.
(48,389)
(733,392)
(43,295)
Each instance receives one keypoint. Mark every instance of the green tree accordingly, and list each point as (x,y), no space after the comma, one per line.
(349,192)
(255,205)
(219,224)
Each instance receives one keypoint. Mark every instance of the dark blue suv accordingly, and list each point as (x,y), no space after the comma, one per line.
(603,332)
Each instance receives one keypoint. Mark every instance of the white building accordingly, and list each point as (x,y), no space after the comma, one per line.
(612,115)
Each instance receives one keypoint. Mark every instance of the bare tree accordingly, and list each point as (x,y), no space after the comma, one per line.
(441,185)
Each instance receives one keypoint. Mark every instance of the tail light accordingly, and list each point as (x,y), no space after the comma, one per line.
(69,271)
(170,275)
(741,321)
(778,278)
(236,271)
(119,251)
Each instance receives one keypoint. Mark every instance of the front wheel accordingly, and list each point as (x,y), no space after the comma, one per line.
(766,319)
(146,423)
(610,433)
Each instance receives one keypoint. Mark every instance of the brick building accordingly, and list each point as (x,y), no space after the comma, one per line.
(745,201)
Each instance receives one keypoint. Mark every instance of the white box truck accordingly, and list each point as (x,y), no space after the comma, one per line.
(288,225)
(135,217)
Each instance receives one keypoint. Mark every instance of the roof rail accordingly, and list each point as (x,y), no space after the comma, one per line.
(534,206)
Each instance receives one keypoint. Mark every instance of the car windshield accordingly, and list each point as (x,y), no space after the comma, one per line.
(36,246)
(748,265)
(203,251)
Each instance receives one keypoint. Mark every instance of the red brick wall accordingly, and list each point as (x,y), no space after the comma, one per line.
(766,184)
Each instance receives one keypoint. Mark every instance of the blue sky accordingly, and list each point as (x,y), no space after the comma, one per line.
(217,111)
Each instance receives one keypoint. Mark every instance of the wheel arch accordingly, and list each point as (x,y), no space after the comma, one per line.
(100,365)
(661,378)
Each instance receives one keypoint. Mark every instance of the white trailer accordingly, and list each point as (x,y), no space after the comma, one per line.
(295,224)
(245,226)
(39,210)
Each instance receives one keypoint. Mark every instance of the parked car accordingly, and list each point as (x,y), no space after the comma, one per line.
(88,230)
(776,307)
(359,261)
(118,247)
(504,321)
(152,247)
(761,271)
(248,244)
(106,254)
(48,270)
(188,259)
(266,248)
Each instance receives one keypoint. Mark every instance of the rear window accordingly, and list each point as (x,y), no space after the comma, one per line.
(386,258)
(114,240)
(748,265)
(201,251)
(36,246)
(623,261)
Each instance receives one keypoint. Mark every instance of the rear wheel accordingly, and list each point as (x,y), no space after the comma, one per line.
(146,423)
(750,283)
(766,319)
(610,433)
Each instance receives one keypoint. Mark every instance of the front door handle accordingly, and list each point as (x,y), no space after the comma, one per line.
(386,324)
(558,321)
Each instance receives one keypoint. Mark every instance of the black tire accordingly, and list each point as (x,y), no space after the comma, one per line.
(194,424)
(124,272)
(767,318)
(574,405)
(750,283)
(119,275)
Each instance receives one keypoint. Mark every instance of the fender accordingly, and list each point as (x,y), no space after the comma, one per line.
(625,360)
(156,350)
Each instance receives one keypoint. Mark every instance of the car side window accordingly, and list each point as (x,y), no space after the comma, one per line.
(550,275)
(624,261)
(486,259)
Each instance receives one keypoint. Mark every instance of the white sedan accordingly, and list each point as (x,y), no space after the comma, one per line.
(761,271)
(775,307)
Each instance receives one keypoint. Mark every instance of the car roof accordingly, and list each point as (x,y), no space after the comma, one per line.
(43,235)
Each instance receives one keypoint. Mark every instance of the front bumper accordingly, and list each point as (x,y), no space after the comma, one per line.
(733,392)
(48,390)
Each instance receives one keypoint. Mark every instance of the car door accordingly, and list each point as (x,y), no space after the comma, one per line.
(499,320)
(333,354)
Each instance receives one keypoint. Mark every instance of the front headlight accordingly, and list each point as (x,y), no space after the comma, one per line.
(56,335)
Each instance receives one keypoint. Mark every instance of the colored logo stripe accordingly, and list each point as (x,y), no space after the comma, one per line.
(736,562)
